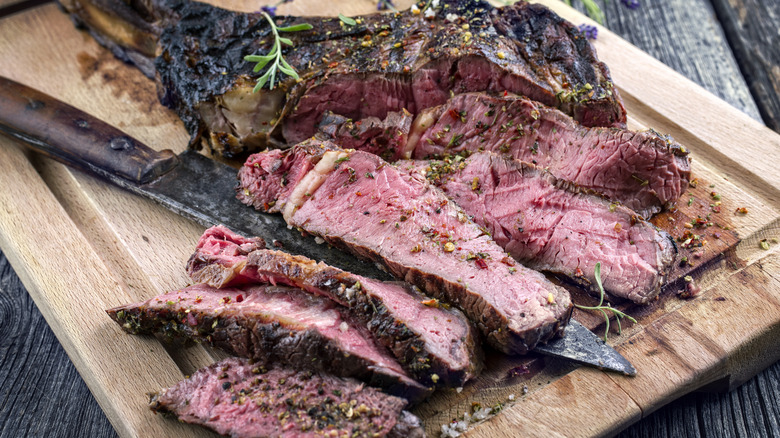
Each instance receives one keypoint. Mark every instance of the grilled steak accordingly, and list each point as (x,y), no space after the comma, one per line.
(355,200)
(552,225)
(385,63)
(237,398)
(643,170)
(437,346)
(271,324)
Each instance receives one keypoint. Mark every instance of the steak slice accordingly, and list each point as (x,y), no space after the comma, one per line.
(552,225)
(271,324)
(238,398)
(437,346)
(385,63)
(384,137)
(356,201)
(643,170)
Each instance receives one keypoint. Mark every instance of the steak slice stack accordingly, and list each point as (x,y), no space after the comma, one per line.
(271,324)
(437,346)
(238,398)
(384,63)
(555,226)
(356,201)
(643,170)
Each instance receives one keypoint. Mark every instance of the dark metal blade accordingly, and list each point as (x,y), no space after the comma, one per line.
(204,190)
(582,346)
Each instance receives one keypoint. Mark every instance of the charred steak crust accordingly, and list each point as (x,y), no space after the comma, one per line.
(238,398)
(356,201)
(271,324)
(388,62)
(438,346)
(553,225)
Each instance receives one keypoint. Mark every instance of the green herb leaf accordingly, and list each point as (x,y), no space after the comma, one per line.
(261,61)
(594,11)
(295,28)
(346,20)
(279,64)
(602,308)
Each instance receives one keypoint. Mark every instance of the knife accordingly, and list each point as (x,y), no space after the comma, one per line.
(203,190)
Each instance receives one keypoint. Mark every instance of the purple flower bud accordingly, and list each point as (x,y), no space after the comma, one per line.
(383,4)
(588,31)
(270,10)
(630,4)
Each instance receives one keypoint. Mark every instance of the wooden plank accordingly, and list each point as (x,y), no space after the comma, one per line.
(751,29)
(72,287)
(48,398)
(700,52)
(146,246)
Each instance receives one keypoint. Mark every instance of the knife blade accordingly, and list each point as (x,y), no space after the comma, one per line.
(203,190)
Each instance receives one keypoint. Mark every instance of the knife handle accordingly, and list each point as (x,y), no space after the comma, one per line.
(73,136)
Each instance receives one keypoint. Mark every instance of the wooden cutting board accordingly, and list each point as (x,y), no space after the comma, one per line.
(81,246)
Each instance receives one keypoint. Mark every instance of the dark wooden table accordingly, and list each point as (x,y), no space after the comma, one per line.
(730,47)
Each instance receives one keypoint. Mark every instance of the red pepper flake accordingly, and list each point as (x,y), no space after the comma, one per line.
(481,263)
(333,65)
(742,210)
(454,114)
(239,298)
(407,69)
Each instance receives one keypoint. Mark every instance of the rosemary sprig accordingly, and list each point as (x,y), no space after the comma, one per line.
(603,308)
(275,55)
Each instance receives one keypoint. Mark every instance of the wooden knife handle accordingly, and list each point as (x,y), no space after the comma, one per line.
(73,136)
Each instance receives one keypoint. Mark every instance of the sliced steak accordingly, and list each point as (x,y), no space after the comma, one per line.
(385,63)
(356,201)
(384,137)
(437,346)
(241,399)
(271,324)
(552,225)
(643,170)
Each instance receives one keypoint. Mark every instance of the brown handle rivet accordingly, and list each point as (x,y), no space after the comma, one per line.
(120,143)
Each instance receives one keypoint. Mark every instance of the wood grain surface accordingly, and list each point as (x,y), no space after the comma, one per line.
(751,28)
(88,206)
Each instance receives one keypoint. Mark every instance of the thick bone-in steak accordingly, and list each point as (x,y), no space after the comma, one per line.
(552,225)
(271,324)
(387,62)
(355,200)
(241,399)
(438,346)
